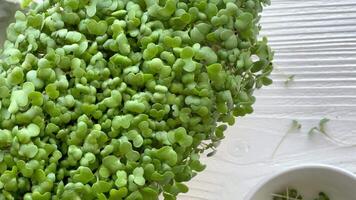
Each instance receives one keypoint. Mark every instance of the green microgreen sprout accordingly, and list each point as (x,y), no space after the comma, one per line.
(288,194)
(295,126)
(289,80)
(25,3)
(321,128)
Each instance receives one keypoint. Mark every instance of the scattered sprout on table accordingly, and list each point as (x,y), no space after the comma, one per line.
(295,126)
(321,126)
(289,80)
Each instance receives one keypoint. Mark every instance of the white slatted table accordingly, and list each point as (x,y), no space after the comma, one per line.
(315,40)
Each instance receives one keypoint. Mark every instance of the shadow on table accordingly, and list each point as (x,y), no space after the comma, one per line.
(7,12)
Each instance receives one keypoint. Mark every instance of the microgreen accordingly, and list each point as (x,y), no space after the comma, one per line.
(295,126)
(289,80)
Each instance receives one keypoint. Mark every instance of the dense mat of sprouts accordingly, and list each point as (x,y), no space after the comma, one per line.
(116,99)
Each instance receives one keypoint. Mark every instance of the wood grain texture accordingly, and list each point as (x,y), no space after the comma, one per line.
(315,40)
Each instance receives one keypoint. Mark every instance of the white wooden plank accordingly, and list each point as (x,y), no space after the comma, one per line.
(315,40)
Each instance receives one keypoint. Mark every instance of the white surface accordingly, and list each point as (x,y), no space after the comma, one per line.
(309,179)
(316,41)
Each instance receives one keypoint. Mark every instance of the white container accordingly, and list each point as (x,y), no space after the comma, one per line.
(309,180)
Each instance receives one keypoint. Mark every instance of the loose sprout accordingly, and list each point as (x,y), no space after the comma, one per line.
(118,99)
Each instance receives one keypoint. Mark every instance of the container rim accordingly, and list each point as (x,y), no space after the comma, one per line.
(331,168)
